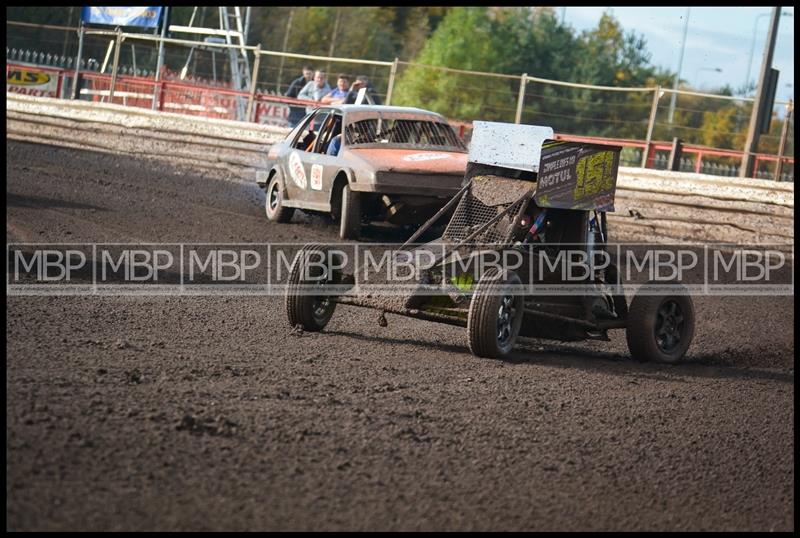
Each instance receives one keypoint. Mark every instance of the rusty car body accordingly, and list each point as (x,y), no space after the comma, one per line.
(396,164)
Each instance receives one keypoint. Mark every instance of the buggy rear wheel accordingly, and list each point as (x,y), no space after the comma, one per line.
(307,274)
(660,327)
(495,314)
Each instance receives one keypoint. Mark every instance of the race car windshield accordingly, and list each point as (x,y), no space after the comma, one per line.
(402,133)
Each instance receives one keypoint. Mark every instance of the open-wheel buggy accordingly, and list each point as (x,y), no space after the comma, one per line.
(528,207)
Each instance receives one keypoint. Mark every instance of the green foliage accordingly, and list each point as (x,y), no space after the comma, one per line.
(501,40)
(521,40)
(467,39)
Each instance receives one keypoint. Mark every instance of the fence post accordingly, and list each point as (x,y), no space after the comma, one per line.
(253,80)
(521,98)
(650,124)
(75,89)
(784,136)
(675,155)
(392,74)
(157,89)
(698,163)
(115,67)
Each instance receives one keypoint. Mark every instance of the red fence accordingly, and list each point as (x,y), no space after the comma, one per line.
(203,99)
(699,152)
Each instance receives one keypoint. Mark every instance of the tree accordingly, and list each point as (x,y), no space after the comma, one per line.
(498,40)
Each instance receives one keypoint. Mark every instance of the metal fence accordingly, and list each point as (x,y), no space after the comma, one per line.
(196,78)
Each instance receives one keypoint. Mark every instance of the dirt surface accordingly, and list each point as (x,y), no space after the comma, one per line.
(167,413)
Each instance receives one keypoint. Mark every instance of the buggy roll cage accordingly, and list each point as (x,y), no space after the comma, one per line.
(510,166)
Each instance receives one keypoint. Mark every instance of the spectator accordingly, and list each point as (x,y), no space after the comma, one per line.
(362,82)
(296,113)
(315,90)
(336,96)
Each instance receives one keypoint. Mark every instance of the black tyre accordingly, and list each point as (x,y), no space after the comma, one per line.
(495,314)
(660,327)
(275,209)
(311,312)
(620,304)
(350,214)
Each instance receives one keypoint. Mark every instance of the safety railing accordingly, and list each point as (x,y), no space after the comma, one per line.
(127,86)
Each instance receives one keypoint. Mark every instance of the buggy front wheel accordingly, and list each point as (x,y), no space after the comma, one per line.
(495,314)
(307,276)
(660,327)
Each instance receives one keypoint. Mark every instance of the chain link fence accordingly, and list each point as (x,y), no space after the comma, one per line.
(198,77)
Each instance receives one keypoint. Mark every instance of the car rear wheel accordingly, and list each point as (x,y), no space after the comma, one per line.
(350,214)
(275,209)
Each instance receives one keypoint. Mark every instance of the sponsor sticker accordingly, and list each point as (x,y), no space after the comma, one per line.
(426,157)
(296,170)
(316,177)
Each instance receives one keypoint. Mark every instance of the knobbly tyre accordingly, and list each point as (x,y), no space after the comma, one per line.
(524,193)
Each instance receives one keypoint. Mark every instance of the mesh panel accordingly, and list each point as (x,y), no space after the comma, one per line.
(486,198)
(402,133)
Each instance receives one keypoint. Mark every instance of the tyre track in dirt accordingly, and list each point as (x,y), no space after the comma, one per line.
(146,413)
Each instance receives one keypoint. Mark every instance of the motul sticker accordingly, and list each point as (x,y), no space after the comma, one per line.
(316,177)
(296,170)
(426,157)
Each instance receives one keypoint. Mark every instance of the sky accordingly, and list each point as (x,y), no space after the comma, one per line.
(717,38)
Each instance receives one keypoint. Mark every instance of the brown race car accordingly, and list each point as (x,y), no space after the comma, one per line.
(394,164)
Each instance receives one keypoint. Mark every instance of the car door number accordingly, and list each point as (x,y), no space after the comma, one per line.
(316,177)
(296,170)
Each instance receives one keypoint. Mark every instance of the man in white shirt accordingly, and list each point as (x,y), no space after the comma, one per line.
(315,90)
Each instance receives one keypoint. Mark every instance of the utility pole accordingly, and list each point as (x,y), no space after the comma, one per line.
(680,65)
(334,36)
(756,117)
(66,34)
(285,44)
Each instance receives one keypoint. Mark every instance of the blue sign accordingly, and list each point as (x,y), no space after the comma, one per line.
(146,17)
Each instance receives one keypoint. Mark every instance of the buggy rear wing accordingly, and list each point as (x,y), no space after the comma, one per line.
(568,175)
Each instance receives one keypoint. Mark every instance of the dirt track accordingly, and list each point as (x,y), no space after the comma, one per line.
(147,413)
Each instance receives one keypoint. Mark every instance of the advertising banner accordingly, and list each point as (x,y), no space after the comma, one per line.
(145,17)
(30,80)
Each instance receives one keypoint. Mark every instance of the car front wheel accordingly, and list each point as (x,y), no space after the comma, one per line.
(350,217)
(275,209)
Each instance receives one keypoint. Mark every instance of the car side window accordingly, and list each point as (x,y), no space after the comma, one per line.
(331,128)
(308,134)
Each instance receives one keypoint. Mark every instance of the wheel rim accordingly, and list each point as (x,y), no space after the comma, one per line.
(273,197)
(320,306)
(505,321)
(670,325)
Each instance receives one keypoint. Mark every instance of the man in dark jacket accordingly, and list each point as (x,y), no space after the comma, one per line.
(296,113)
(362,82)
